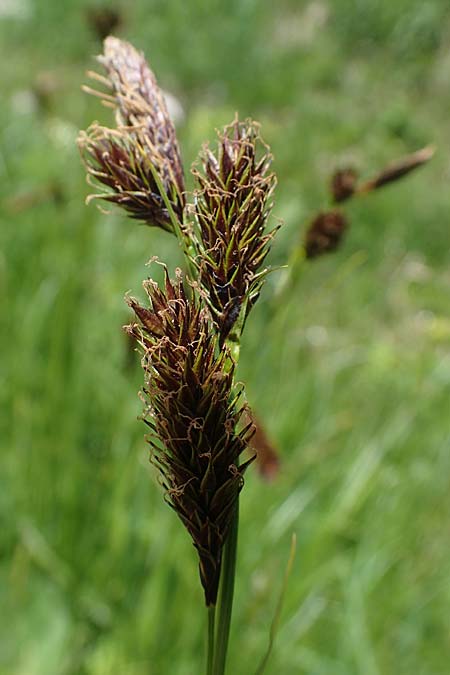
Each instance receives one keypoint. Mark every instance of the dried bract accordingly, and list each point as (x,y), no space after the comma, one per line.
(267,456)
(231,209)
(193,412)
(325,233)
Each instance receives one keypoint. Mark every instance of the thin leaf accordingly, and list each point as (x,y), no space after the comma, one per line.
(276,619)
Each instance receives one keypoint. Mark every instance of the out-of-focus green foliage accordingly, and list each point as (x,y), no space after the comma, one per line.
(351,375)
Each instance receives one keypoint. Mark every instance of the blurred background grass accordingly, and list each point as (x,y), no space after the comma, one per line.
(351,376)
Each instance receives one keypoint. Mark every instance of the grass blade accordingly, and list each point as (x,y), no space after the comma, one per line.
(276,619)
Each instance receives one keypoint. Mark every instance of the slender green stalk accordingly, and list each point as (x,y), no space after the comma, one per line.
(279,607)
(211,627)
(226,593)
(228,571)
(177,228)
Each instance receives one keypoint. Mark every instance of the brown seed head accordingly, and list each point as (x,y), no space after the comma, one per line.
(325,233)
(398,169)
(119,160)
(145,139)
(232,206)
(193,413)
(343,184)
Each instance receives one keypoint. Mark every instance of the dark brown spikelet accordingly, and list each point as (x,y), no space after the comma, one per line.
(141,104)
(118,159)
(398,169)
(231,209)
(125,159)
(343,184)
(325,233)
(193,412)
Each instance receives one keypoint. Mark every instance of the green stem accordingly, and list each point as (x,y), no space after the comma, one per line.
(226,595)
(177,227)
(211,626)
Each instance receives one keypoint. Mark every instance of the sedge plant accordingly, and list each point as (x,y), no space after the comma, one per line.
(189,332)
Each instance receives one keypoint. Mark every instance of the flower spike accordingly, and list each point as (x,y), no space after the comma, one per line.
(232,205)
(193,411)
(139,162)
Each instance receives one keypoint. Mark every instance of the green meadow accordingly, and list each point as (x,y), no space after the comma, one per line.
(349,370)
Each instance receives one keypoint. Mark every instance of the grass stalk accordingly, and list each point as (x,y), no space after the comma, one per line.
(279,607)
(226,593)
(211,629)
(177,227)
